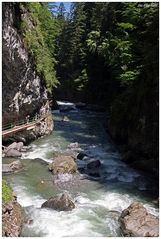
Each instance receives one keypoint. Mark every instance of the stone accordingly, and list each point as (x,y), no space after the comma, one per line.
(63,164)
(61,203)
(23,150)
(65,119)
(94,164)
(12,146)
(67,181)
(20,145)
(12,167)
(16,165)
(13,153)
(6,168)
(135,221)
(70,152)
(73,145)
(81,156)
(17,146)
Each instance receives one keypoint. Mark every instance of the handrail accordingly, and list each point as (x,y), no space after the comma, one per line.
(21,122)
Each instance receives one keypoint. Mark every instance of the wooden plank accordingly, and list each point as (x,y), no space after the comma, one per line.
(16,129)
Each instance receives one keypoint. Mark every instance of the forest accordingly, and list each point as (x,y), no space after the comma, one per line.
(97,51)
(101,61)
(105,54)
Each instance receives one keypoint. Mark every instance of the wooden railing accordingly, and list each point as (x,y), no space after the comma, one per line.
(22,124)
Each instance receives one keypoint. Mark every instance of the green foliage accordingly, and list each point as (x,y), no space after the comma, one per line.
(126,25)
(40,30)
(7,194)
(107,41)
(92,41)
(128,77)
(81,81)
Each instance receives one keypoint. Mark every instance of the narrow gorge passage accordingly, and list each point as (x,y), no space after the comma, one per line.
(99,200)
(80,119)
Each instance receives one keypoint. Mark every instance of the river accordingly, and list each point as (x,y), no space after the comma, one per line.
(98,200)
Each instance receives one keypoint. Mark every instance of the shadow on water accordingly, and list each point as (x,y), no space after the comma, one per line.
(95,197)
(84,128)
(87,129)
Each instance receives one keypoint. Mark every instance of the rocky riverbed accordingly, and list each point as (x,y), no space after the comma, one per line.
(97,202)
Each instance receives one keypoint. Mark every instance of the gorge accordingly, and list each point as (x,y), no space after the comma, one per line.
(107,140)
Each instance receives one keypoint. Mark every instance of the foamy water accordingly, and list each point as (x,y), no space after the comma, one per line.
(98,202)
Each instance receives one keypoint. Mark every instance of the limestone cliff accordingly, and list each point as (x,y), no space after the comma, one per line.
(23,90)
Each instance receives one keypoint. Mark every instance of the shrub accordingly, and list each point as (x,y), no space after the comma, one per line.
(7,194)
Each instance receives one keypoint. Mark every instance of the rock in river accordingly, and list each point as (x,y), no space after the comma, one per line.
(94,164)
(73,145)
(12,167)
(137,222)
(13,153)
(63,164)
(61,203)
(82,156)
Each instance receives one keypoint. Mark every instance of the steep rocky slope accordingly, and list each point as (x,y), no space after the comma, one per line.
(24,91)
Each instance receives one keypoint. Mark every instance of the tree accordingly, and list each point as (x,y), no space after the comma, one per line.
(61,11)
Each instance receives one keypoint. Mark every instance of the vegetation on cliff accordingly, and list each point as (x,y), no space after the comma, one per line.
(39,29)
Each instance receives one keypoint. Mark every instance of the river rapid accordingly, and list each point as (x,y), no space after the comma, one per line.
(98,200)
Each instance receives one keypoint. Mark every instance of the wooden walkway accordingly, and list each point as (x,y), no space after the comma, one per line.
(25,126)
(18,128)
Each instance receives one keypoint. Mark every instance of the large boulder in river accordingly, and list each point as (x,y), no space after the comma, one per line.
(61,203)
(137,222)
(63,164)
(17,146)
(13,153)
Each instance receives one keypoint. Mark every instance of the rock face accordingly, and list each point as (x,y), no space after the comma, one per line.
(63,164)
(24,91)
(60,203)
(12,219)
(12,167)
(135,126)
(137,222)
(22,88)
